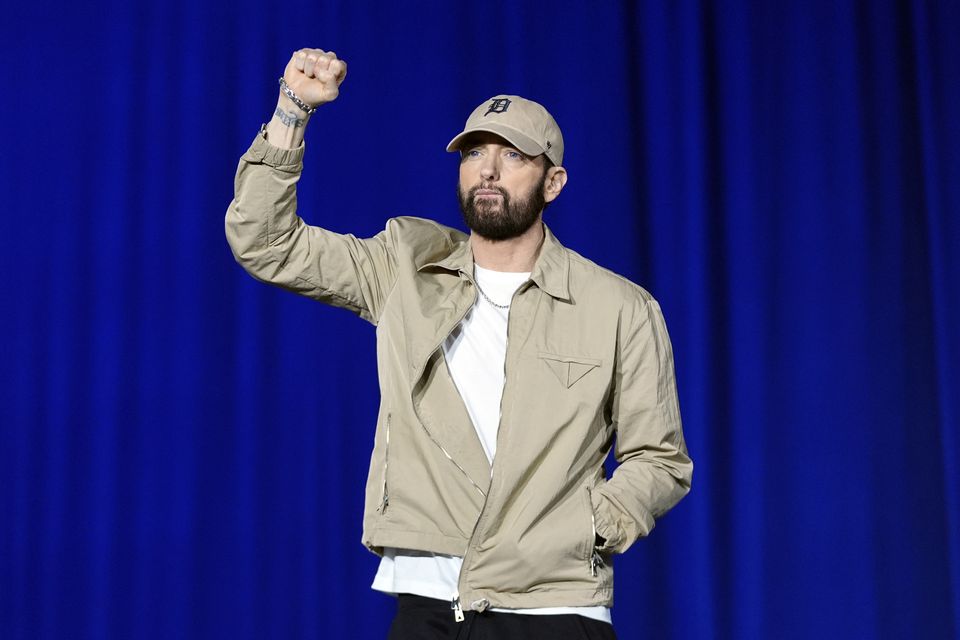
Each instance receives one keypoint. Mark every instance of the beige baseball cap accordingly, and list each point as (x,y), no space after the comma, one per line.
(524,123)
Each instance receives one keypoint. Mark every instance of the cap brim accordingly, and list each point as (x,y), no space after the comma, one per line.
(521,141)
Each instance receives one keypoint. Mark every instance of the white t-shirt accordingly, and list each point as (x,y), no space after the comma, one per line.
(476,353)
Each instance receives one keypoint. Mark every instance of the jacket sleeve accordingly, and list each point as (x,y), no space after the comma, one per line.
(654,471)
(274,245)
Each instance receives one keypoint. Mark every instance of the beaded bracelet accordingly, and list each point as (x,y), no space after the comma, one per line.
(287,91)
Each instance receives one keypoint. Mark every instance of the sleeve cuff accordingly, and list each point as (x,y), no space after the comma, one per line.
(604,528)
(262,152)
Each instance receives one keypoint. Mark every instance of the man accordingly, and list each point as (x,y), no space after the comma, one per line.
(508,365)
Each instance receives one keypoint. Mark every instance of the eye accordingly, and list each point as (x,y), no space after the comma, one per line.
(514,154)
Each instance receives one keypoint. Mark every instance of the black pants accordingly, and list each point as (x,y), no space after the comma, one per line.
(420,618)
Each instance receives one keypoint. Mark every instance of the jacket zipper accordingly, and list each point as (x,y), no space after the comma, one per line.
(483,509)
(512,298)
(457,609)
(420,372)
(457,465)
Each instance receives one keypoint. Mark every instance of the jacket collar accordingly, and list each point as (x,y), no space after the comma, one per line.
(551,271)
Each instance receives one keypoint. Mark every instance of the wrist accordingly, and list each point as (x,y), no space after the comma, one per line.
(289,114)
(286,127)
(291,95)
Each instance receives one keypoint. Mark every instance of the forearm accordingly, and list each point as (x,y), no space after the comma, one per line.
(286,127)
(263,209)
(641,490)
(274,245)
(655,470)
(266,234)
(261,221)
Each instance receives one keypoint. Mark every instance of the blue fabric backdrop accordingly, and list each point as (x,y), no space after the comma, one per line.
(183,450)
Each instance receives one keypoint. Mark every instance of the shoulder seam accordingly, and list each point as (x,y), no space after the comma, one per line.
(573,255)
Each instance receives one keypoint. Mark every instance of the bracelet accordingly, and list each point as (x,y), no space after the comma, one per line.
(287,91)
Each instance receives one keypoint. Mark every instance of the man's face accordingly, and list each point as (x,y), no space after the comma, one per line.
(501,190)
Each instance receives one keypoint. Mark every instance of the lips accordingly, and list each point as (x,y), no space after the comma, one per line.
(487,193)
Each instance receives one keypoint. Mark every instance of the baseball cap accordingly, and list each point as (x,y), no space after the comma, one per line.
(523,123)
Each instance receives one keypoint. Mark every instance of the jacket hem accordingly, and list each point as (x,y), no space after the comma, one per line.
(416,541)
(555,597)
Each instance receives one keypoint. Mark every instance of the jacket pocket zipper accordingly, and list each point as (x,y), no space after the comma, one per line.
(596,560)
(385,499)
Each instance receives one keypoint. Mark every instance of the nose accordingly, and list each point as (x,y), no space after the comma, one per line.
(490,169)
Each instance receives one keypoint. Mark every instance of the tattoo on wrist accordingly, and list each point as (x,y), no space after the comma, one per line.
(289,118)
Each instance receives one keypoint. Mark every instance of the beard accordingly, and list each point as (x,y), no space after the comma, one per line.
(504,219)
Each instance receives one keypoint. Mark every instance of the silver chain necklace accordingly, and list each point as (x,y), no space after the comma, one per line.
(487,298)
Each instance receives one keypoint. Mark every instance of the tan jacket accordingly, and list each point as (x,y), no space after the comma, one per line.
(588,364)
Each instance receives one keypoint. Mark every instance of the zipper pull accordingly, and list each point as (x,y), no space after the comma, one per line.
(596,560)
(457,609)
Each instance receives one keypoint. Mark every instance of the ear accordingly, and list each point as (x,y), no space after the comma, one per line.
(553,185)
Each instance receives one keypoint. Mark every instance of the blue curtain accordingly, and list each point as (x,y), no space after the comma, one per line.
(183,450)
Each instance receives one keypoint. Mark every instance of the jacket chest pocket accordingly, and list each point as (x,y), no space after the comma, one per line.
(569,370)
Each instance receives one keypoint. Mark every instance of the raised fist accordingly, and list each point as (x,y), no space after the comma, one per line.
(315,75)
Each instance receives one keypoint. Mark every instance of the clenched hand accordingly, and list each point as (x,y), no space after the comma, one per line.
(315,75)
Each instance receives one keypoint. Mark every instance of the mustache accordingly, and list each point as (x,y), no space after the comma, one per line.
(488,187)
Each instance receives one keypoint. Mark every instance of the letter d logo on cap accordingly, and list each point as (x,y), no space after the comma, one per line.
(497,105)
